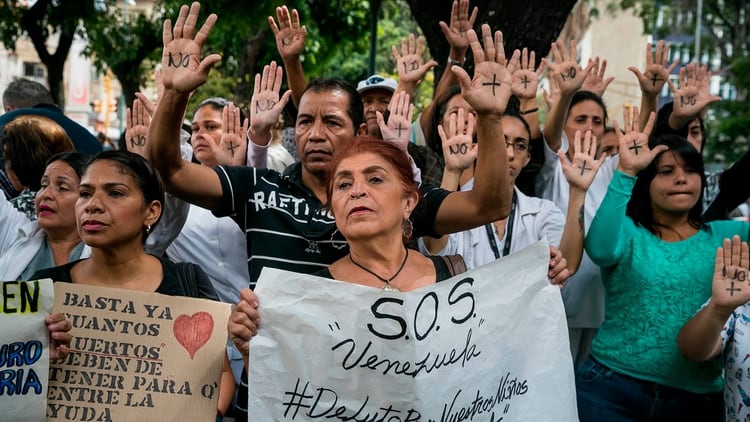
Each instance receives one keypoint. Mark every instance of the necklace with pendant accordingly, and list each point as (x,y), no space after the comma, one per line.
(388,286)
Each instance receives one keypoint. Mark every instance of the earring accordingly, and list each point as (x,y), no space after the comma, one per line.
(407,228)
(148,228)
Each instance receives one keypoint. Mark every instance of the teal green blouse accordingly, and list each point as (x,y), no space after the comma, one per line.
(652,288)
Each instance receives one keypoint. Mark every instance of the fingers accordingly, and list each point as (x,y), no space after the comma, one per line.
(208,25)
(650,123)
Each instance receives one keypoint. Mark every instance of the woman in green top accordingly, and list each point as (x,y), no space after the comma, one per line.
(656,254)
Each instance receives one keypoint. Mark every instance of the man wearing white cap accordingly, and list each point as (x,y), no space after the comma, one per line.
(376,92)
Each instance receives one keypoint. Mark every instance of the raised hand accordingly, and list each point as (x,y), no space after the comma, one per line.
(398,129)
(489,91)
(265,105)
(409,63)
(657,70)
(731,285)
(581,171)
(289,34)
(181,66)
(460,23)
(232,147)
(595,81)
(568,73)
(525,78)
(459,149)
(137,121)
(635,154)
(692,95)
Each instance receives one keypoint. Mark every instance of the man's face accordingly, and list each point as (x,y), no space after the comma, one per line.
(376,99)
(323,125)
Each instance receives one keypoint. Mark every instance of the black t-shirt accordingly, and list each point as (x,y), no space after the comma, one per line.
(180,279)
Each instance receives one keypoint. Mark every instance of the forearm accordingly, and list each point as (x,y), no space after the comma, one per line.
(226,389)
(530,112)
(493,187)
(447,79)
(700,338)
(649,103)
(163,146)
(606,236)
(571,244)
(295,77)
(553,127)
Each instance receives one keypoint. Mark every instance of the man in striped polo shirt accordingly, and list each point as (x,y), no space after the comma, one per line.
(283,215)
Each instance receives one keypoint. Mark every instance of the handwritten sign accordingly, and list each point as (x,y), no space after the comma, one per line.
(24,348)
(488,345)
(137,356)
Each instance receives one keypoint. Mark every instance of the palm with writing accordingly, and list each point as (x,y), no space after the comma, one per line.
(459,150)
(488,92)
(581,171)
(398,128)
(232,147)
(182,68)
(289,34)
(460,23)
(692,94)
(137,121)
(595,81)
(657,70)
(409,63)
(731,286)
(266,105)
(635,154)
(568,73)
(525,78)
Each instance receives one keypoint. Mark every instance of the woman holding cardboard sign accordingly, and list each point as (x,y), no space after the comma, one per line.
(120,199)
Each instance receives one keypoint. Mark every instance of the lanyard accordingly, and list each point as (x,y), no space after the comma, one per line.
(508,230)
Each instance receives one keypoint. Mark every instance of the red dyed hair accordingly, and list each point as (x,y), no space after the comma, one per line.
(386,150)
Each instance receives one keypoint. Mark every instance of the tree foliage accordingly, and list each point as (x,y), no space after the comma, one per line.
(38,22)
(724,44)
(534,24)
(127,44)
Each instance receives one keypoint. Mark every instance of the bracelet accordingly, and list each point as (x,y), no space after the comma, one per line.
(453,62)
(533,110)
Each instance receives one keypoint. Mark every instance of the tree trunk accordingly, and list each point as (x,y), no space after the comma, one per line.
(246,67)
(130,80)
(534,24)
(33,23)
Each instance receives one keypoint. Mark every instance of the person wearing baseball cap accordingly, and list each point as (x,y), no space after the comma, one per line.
(376,92)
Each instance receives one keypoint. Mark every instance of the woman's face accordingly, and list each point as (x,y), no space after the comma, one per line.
(695,134)
(452,106)
(675,188)
(111,209)
(585,115)
(55,201)
(516,145)
(368,198)
(206,127)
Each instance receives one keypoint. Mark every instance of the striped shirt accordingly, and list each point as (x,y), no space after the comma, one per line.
(286,226)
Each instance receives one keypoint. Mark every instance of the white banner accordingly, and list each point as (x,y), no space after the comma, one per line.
(24,348)
(488,345)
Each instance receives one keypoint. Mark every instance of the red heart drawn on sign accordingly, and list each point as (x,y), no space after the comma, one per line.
(193,332)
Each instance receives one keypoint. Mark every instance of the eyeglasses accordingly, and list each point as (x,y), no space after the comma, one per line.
(374,80)
(518,146)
